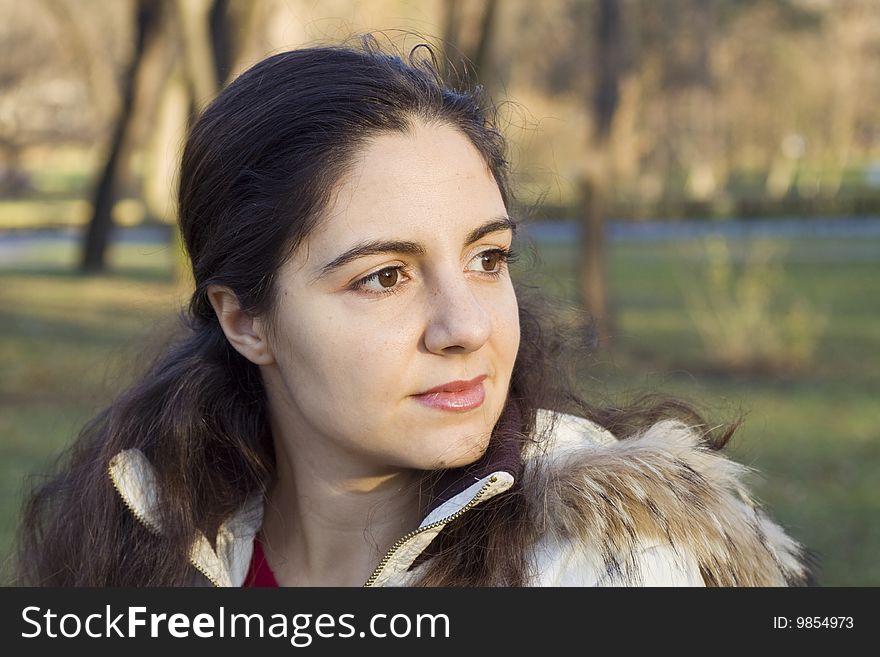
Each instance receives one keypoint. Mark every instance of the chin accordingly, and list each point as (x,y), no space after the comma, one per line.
(460,453)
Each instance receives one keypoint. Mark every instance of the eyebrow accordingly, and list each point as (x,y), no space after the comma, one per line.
(376,247)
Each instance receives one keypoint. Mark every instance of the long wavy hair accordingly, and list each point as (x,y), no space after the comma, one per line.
(258,170)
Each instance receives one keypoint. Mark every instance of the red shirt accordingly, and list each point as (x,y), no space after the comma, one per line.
(259,574)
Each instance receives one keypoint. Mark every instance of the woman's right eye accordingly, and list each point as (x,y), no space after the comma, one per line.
(384,281)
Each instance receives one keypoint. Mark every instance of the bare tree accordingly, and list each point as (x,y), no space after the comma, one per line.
(201,32)
(42,99)
(596,178)
(198,48)
(468,33)
(101,223)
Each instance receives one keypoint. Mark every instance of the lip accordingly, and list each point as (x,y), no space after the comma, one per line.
(455,396)
(455,386)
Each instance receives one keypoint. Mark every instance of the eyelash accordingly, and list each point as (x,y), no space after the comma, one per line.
(507,256)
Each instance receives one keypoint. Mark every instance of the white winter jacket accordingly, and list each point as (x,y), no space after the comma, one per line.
(658,509)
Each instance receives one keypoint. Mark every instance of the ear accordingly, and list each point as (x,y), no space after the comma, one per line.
(245,332)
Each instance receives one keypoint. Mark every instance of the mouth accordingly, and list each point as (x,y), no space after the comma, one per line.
(455,396)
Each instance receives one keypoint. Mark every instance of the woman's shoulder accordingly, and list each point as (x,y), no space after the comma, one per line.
(660,501)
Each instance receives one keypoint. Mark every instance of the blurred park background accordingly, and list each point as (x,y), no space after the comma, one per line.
(702,175)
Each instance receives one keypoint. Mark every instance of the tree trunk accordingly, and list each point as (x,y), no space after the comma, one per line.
(593,270)
(101,223)
(451,35)
(207,48)
(481,56)
(198,49)
(221,40)
(596,177)
(466,44)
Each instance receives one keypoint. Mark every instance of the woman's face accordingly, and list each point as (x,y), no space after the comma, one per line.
(402,289)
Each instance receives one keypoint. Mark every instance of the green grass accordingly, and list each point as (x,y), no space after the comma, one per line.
(67,344)
(813,435)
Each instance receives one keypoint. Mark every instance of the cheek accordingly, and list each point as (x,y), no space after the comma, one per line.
(347,354)
(507,327)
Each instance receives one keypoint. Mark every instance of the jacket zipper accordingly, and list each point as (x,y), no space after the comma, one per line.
(154,530)
(394,548)
(382,564)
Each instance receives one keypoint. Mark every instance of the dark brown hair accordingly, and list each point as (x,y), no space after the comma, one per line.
(258,169)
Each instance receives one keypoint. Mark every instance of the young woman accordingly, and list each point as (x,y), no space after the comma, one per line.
(362,395)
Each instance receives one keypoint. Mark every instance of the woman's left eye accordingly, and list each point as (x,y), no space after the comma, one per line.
(492,261)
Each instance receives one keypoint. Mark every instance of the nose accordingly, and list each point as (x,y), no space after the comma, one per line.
(458,321)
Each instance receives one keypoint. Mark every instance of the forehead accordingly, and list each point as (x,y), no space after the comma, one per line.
(430,180)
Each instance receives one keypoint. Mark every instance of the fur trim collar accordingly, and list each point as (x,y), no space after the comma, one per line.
(666,487)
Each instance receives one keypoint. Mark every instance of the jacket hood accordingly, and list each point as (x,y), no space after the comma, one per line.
(594,495)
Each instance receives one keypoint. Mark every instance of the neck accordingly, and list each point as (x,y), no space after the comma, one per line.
(327,525)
